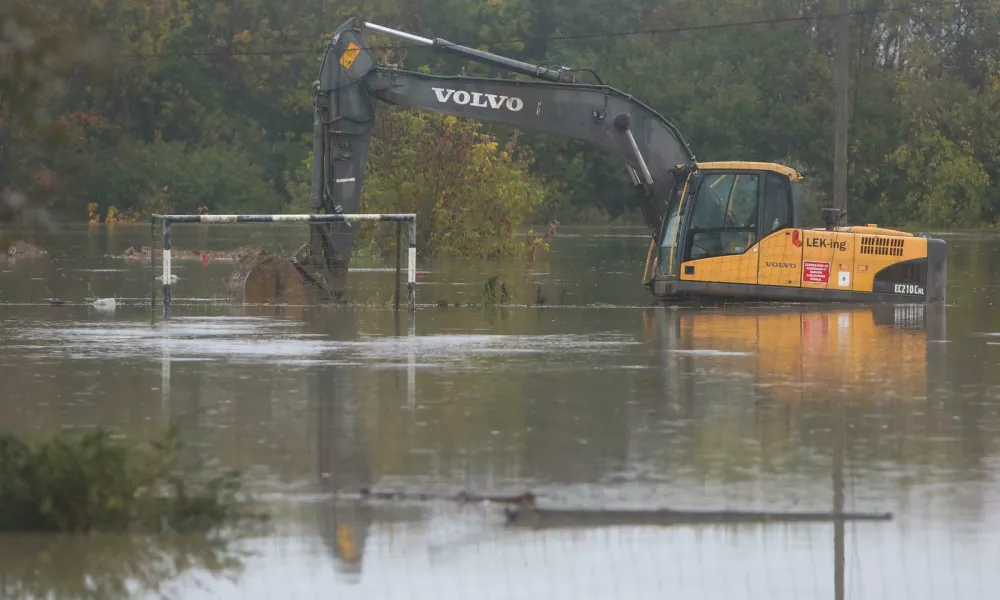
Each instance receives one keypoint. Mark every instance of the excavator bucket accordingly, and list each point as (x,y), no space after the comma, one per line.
(261,277)
(342,126)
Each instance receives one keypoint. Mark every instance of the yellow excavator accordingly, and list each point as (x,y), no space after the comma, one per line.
(733,229)
(729,230)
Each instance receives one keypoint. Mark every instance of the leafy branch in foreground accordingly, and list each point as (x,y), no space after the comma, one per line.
(92,480)
(115,565)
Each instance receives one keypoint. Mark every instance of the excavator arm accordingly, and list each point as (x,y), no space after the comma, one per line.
(601,115)
(351,82)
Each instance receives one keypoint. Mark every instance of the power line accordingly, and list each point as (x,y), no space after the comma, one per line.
(598,35)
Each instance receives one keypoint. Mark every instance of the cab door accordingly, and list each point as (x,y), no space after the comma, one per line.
(781,244)
(720,245)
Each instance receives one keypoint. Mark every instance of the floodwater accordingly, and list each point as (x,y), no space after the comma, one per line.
(594,400)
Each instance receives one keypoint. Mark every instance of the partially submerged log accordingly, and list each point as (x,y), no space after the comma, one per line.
(551,518)
(524,499)
(522,511)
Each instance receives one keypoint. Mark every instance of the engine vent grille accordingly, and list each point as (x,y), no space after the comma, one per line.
(881,246)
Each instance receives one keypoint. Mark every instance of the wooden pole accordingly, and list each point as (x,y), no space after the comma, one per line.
(841,68)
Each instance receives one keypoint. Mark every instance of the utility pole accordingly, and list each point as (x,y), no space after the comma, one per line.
(841,66)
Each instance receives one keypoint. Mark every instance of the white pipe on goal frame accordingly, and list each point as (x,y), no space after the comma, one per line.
(411,263)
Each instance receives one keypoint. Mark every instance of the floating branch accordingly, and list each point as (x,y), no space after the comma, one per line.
(545,518)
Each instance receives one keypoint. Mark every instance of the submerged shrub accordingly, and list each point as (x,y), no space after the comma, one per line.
(469,192)
(115,565)
(493,294)
(91,480)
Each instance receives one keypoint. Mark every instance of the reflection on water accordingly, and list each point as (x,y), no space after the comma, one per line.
(804,353)
(602,402)
(110,566)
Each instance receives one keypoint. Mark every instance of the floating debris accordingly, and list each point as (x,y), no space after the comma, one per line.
(105,304)
(21,249)
(144,253)
(524,499)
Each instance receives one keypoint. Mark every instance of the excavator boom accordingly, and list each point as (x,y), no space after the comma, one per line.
(351,82)
(600,115)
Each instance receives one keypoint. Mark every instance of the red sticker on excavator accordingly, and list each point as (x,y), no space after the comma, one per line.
(815,271)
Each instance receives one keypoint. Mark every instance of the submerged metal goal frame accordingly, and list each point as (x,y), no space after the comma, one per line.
(399,219)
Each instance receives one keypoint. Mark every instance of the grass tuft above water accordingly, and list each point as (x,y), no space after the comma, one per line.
(84,480)
(496,294)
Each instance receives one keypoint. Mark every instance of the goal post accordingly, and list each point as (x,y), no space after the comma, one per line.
(399,219)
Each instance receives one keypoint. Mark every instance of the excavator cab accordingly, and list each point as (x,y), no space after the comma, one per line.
(722,210)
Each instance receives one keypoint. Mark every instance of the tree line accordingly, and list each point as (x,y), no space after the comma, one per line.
(133,106)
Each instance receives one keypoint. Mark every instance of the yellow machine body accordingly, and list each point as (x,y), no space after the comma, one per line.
(734,231)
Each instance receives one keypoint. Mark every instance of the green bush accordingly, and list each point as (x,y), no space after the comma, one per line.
(135,176)
(116,565)
(184,177)
(470,193)
(91,480)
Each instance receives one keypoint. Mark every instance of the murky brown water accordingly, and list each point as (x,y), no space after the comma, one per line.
(595,400)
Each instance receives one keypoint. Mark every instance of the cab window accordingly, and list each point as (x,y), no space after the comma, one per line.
(724,217)
(777,205)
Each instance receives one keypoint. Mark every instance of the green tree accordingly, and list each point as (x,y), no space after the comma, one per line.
(37,54)
(470,194)
(228,83)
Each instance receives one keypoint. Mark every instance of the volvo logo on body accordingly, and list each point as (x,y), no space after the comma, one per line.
(478,99)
